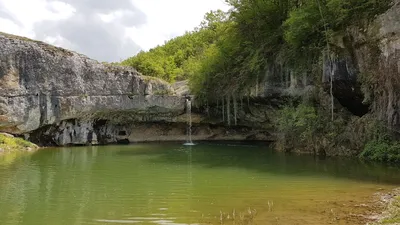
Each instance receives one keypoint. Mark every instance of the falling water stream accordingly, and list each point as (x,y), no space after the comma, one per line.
(189,122)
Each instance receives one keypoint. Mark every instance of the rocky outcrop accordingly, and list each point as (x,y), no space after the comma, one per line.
(366,67)
(345,84)
(181,88)
(78,132)
(379,61)
(42,85)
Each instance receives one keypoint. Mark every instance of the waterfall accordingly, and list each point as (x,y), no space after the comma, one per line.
(189,122)
(223,110)
(235,109)
(228,110)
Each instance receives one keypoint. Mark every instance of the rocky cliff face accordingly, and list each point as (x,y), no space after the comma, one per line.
(42,85)
(380,65)
(366,67)
(53,96)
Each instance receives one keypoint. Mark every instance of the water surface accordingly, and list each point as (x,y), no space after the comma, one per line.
(168,183)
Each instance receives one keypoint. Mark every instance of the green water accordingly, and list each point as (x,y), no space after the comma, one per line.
(172,184)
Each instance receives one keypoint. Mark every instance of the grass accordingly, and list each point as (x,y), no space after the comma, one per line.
(149,78)
(163,92)
(391,216)
(11,144)
(394,212)
(245,217)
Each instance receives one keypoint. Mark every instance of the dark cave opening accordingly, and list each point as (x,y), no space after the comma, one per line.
(350,96)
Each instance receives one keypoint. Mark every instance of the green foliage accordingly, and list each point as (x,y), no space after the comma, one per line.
(179,58)
(230,52)
(301,121)
(307,128)
(298,127)
(303,27)
(382,151)
(381,146)
(263,34)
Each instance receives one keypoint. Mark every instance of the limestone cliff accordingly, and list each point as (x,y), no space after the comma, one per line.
(53,96)
(44,85)
(366,67)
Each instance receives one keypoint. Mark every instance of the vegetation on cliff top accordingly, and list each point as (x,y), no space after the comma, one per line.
(231,53)
(12,144)
(180,58)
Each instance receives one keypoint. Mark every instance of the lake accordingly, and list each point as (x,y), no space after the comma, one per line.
(167,183)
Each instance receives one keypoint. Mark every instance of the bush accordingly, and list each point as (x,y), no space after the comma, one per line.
(382,150)
(298,128)
(300,121)
(308,129)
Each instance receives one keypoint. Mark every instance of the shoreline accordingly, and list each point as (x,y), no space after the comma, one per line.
(390,202)
(11,144)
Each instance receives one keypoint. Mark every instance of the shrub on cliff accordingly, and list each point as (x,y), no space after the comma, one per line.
(382,151)
(306,128)
(296,125)
(381,145)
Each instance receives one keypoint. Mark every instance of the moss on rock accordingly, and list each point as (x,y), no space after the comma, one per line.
(8,143)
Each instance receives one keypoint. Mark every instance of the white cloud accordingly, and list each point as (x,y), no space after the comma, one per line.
(144,23)
(27,13)
(168,19)
(60,10)
(11,27)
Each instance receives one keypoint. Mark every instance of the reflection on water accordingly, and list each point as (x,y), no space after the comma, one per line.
(173,184)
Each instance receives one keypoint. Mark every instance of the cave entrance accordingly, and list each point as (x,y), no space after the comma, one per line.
(349,95)
(122,133)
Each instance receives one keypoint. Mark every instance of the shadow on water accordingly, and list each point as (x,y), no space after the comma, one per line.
(251,156)
(259,157)
(125,183)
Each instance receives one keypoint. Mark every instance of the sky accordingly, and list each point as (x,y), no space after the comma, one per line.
(105,30)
